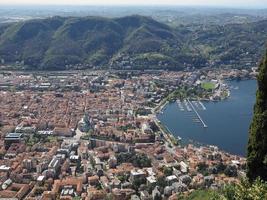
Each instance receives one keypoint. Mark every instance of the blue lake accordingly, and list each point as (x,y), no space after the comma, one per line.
(228,121)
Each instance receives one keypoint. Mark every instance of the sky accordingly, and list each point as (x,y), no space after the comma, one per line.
(225,3)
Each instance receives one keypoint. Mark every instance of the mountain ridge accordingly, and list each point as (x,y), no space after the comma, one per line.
(135,41)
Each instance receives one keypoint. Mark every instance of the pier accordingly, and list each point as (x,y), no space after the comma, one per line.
(199,117)
(202,105)
(187,106)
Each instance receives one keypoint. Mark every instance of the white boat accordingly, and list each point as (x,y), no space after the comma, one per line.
(180,105)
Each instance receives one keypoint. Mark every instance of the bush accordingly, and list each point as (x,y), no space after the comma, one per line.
(255,191)
(242,191)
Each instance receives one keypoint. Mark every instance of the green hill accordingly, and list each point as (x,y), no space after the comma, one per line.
(58,43)
(128,42)
(232,43)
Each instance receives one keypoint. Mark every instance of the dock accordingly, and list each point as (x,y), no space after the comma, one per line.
(199,117)
(202,105)
(187,106)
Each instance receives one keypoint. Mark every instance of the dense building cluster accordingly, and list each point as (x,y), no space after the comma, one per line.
(95,135)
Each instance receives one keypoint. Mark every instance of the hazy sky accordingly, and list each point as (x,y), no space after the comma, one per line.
(228,3)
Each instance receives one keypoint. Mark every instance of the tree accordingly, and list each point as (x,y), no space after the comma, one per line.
(229,191)
(137,183)
(202,167)
(230,171)
(246,191)
(167,171)
(257,145)
(256,190)
(161,182)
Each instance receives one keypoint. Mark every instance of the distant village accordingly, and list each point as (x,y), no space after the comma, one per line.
(94,135)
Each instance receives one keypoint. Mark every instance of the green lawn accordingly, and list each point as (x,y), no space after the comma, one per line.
(208,86)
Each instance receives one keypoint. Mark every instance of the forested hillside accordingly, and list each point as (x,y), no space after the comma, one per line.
(133,42)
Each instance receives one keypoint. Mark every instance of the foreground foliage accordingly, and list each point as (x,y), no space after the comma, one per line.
(257,146)
(242,191)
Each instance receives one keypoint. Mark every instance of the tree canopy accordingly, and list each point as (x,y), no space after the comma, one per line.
(257,145)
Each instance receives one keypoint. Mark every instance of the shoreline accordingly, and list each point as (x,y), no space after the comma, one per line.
(188,141)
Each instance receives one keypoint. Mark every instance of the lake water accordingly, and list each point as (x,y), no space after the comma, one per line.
(228,121)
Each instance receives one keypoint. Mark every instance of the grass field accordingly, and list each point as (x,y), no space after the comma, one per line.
(208,86)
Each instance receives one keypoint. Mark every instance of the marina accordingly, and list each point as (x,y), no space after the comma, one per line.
(192,106)
(196,104)
(227,120)
(179,103)
(199,117)
(187,106)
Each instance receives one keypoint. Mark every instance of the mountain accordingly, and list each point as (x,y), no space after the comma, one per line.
(235,45)
(132,42)
(257,145)
(57,43)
